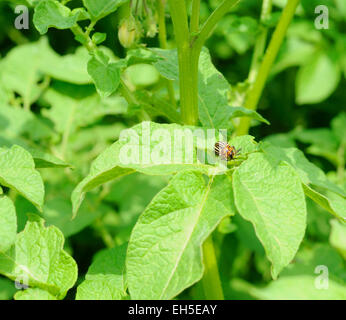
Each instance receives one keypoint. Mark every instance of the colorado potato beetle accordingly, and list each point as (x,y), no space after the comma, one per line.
(225,151)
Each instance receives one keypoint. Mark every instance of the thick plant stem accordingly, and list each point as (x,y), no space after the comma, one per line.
(188,66)
(211,280)
(268,60)
(163,45)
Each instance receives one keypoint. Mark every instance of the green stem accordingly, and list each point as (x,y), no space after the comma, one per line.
(194,22)
(163,45)
(188,64)
(211,279)
(88,43)
(260,42)
(105,235)
(268,60)
(131,99)
(214,18)
(162,24)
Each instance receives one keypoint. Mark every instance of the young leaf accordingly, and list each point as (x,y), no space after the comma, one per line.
(272,199)
(38,259)
(17,171)
(164,255)
(8,223)
(51,13)
(153,151)
(105,75)
(101,8)
(105,279)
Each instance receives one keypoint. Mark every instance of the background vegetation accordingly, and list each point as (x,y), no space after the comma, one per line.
(51,113)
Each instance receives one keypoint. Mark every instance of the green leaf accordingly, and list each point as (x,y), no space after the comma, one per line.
(23,78)
(132,153)
(311,86)
(141,55)
(286,288)
(17,171)
(142,75)
(165,244)
(294,52)
(34,294)
(51,13)
(213,88)
(69,113)
(101,8)
(38,259)
(306,271)
(41,158)
(328,203)
(105,75)
(165,61)
(237,112)
(18,122)
(338,237)
(307,171)
(8,223)
(272,199)
(214,111)
(98,37)
(338,126)
(70,68)
(324,142)
(155,105)
(105,279)
(246,143)
(7,289)
(46,160)
(58,211)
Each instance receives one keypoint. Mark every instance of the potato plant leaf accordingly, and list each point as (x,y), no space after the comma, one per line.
(8,223)
(271,197)
(327,203)
(105,75)
(100,8)
(164,255)
(165,155)
(213,88)
(34,294)
(307,171)
(51,13)
(310,84)
(105,279)
(37,259)
(17,171)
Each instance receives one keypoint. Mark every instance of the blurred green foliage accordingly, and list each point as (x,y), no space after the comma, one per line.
(304,101)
